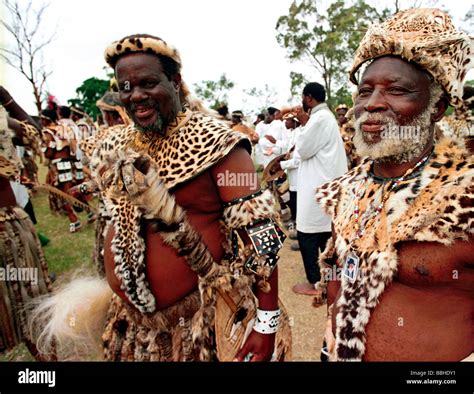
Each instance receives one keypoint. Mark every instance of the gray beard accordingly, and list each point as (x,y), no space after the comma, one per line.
(156,127)
(399,143)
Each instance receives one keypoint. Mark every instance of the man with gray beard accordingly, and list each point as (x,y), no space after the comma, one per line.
(403,236)
(396,142)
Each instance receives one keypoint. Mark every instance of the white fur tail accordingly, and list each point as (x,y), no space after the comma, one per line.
(70,322)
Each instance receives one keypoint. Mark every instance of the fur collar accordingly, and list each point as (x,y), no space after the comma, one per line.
(191,145)
(435,206)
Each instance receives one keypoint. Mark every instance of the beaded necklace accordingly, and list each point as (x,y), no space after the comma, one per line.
(385,195)
(351,265)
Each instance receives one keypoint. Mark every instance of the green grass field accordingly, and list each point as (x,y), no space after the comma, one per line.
(65,250)
(64,253)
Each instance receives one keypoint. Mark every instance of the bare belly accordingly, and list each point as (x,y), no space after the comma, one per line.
(427,313)
(419,324)
(169,275)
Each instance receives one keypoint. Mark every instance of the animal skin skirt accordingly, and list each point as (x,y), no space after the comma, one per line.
(23,274)
(164,335)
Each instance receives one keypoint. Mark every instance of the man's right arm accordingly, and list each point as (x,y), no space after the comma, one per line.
(312,138)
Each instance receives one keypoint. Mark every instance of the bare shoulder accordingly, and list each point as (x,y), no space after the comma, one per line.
(238,160)
(235,175)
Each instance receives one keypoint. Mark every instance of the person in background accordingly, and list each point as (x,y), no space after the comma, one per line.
(238,125)
(22,262)
(322,158)
(274,142)
(65,171)
(290,163)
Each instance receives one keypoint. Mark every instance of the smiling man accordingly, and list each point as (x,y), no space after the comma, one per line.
(172,254)
(403,218)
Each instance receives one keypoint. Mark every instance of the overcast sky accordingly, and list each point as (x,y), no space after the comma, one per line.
(213,36)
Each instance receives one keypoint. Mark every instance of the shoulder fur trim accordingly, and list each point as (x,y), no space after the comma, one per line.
(181,155)
(435,206)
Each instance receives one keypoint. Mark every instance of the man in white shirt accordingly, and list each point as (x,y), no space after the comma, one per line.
(261,129)
(274,142)
(291,161)
(322,158)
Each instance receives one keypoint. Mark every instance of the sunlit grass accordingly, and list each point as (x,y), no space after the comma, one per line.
(64,253)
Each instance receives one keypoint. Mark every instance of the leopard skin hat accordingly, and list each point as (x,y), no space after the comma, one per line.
(427,37)
(140,43)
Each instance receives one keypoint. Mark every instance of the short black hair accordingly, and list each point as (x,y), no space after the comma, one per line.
(223,110)
(272,110)
(170,67)
(64,112)
(468,93)
(316,91)
(50,114)
(261,116)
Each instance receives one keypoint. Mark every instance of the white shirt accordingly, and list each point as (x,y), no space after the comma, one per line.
(269,149)
(291,165)
(322,158)
(261,129)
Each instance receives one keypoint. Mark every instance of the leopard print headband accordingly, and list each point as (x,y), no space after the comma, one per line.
(140,43)
(427,37)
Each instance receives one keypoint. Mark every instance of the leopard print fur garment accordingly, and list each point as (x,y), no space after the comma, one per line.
(194,143)
(188,147)
(435,206)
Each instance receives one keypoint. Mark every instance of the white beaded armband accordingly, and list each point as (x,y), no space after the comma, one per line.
(267,321)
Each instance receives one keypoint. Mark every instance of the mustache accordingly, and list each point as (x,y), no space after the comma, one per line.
(375,118)
(147,104)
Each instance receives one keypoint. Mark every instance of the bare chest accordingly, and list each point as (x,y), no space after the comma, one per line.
(434,264)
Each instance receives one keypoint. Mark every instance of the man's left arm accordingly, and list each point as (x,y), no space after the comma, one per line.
(241,214)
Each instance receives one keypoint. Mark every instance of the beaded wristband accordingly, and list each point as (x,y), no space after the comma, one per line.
(267,321)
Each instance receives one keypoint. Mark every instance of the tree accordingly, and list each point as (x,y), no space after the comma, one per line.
(325,39)
(262,98)
(88,93)
(298,82)
(25,55)
(215,93)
